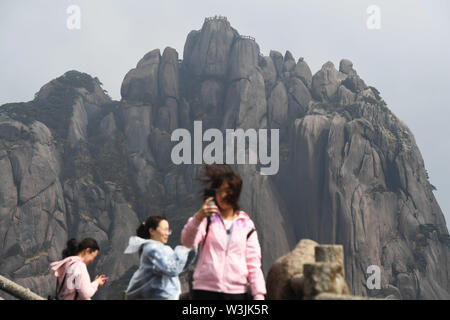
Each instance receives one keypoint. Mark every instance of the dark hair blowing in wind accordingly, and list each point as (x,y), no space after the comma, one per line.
(216,174)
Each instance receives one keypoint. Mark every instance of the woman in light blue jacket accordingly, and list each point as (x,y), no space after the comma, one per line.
(160,265)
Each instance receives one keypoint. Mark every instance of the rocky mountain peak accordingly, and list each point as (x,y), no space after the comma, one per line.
(346,66)
(152,57)
(350,172)
(207,51)
(83,83)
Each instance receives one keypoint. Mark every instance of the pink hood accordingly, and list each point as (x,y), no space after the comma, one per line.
(59,267)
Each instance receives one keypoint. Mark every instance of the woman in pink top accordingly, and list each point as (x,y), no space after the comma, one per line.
(73,281)
(230,254)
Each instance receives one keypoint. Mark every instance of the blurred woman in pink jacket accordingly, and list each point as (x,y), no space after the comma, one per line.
(73,281)
(230,254)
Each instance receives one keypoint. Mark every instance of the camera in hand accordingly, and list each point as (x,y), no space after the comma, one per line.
(210,192)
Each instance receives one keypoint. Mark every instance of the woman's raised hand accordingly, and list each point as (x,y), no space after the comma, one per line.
(206,210)
(101,280)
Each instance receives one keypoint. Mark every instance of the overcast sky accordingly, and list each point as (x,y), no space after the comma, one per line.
(407,59)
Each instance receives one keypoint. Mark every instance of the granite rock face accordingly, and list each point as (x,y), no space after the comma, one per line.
(207,52)
(32,213)
(326,82)
(75,163)
(141,83)
(368,172)
(303,72)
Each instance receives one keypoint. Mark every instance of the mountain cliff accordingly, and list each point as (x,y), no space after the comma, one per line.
(74,162)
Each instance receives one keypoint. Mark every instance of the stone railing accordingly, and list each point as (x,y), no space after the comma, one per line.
(17,290)
(207,19)
(247,38)
(326,275)
(310,272)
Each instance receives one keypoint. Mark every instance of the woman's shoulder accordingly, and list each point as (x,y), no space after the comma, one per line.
(244,216)
(246,221)
(156,246)
(76,266)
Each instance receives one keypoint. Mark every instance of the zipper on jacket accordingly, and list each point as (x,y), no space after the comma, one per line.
(226,251)
(228,245)
(226,255)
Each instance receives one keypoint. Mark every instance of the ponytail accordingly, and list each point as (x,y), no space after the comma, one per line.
(142,231)
(73,247)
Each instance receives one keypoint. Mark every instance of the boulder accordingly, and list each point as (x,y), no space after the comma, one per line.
(141,83)
(277,59)
(303,72)
(168,74)
(325,82)
(269,72)
(346,66)
(244,59)
(278,280)
(299,98)
(288,62)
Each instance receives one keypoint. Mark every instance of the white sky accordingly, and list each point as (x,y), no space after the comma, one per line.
(407,60)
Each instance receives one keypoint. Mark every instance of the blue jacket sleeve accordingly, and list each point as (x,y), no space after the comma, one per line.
(163,260)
